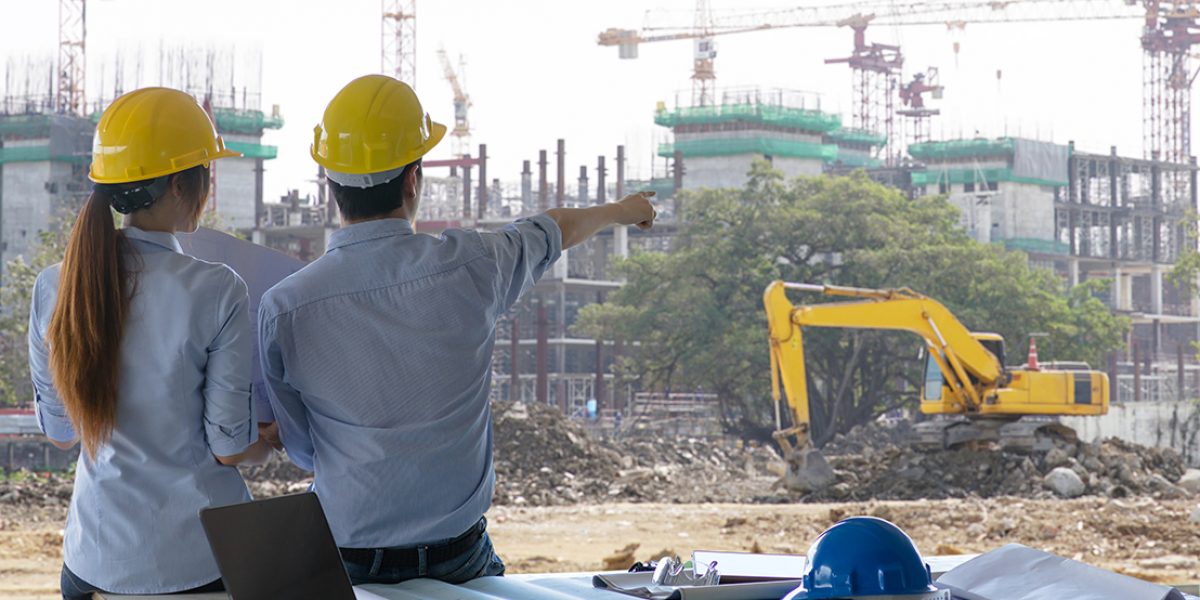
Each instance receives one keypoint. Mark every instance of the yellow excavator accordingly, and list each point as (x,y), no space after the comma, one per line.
(965,377)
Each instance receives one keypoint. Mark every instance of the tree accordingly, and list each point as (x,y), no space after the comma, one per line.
(16,289)
(698,314)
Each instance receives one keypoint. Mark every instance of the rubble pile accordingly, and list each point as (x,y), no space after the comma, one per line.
(895,471)
(544,459)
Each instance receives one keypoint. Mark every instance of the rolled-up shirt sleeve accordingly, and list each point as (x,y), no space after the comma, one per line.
(51,413)
(229,420)
(523,250)
(290,414)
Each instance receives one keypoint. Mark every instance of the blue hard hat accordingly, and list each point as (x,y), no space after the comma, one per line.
(863,557)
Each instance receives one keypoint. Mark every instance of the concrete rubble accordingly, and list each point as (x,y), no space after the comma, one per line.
(874,462)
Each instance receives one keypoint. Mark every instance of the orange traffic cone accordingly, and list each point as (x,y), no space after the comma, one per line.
(1032,365)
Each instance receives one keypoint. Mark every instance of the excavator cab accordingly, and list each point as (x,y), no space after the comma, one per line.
(937,389)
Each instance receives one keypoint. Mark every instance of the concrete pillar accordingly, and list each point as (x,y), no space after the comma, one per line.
(466,188)
(601,171)
(560,196)
(543,185)
(1156,289)
(583,185)
(621,243)
(1127,291)
(1116,288)
(1073,270)
(526,188)
(258,236)
(482,202)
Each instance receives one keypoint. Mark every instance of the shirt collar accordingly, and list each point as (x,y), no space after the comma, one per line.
(369,230)
(158,238)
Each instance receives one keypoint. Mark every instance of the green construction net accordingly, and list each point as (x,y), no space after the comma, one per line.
(755,114)
(663,187)
(976,176)
(37,154)
(952,149)
(26,126)
(857,136)
(756,145)
(249,150)
(245,121)
(1039,246)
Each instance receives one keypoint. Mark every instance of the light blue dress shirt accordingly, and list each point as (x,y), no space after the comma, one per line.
(184,394)
(377,357)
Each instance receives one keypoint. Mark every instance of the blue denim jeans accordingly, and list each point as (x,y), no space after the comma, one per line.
(74,588)
(479,560)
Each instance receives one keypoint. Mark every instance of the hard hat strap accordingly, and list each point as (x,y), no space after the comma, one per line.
(129,199)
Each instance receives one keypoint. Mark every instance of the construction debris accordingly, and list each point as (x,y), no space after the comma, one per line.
(874,462)
(544,459)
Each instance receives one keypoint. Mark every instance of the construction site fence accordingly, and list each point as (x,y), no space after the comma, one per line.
(751,113)
(30,453)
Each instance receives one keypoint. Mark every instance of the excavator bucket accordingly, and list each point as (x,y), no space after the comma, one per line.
(807,471)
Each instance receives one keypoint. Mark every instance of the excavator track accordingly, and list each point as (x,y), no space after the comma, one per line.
(1024,435)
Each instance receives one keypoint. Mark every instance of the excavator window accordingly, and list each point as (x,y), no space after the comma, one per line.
(996,347)
(933,379)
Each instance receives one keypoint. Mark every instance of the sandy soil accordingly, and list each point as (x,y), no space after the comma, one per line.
(1142,537)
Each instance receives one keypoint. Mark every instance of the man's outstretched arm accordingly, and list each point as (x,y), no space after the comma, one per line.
(579,224)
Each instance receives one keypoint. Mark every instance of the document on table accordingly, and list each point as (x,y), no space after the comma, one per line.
(260,267)
(640,585)
(1016,572)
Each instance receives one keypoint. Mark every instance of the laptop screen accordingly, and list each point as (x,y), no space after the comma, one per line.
(276,548)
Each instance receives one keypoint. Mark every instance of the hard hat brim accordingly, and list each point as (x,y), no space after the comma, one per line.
(437,131)
(223,153)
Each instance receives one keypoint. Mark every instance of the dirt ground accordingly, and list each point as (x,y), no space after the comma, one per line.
(1142,537)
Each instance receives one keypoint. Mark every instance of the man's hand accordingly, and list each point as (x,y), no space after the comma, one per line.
(269,433)
(636,210)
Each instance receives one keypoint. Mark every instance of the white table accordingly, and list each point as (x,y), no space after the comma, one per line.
(530,586)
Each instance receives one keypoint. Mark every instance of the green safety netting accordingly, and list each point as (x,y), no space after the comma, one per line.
(961,149)
(857,136)
(732,146)
(250,150)
(29,126)
(663,187)
(976,176)
(758,114)
(245,121)
(37,154)
(1037,245)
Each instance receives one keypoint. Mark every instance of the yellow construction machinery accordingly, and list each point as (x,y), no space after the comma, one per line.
(965,377)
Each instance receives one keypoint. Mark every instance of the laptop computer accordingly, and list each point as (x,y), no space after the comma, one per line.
(277,548)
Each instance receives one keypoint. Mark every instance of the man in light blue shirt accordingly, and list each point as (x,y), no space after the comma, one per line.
(377,355)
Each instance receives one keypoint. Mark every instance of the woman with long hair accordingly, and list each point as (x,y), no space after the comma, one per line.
(142,354)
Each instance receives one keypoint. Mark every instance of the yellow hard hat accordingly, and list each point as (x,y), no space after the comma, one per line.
(373,125)
(152,132)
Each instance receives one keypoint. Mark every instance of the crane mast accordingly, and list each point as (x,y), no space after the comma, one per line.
(462,102)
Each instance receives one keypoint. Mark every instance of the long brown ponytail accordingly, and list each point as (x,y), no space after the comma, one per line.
(88,322)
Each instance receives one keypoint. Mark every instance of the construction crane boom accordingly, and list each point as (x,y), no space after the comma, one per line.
(659,25)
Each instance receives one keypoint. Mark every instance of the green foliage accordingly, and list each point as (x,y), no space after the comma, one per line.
(16,289)
(1187,266)
(698,312)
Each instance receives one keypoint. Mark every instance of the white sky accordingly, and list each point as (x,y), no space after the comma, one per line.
(535,73)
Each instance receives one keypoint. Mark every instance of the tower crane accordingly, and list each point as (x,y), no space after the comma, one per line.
(1170,29)
(462,102)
